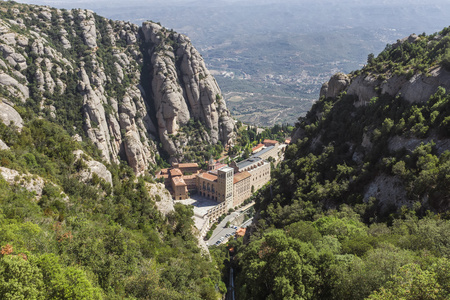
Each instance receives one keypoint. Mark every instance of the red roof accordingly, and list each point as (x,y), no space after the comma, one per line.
(178,181)
(271,142)
(208,176)
(259,146)
(175,172)
(241,231)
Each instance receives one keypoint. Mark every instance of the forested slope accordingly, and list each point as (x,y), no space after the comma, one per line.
(359,207)
(78,204)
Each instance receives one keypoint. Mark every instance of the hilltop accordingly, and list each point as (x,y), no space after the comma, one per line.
(359,207)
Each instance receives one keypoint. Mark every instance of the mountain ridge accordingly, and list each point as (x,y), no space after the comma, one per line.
(51,55)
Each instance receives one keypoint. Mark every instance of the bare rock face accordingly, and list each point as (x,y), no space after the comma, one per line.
(9,115)
(388,190)
(337,83)
(163,199)
(93,167)
(31,183)
(3,146)
(420,87)
(185,92)
(14,87)
(87,64)
(363,87)
(397,143)
(417,89)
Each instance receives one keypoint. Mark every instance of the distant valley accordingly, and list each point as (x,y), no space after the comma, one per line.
(268,52)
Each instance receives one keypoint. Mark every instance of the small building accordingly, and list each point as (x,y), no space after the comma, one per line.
(268,143)
(187,168)
(257,148)
(241,231)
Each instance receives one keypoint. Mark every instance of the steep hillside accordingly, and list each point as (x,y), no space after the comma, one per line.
(79,215)
(121,86)
(359,207)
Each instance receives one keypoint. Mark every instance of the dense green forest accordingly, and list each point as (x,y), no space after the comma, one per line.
(91,240)
(321,235)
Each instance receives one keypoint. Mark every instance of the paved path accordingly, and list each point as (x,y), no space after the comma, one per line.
(221,230)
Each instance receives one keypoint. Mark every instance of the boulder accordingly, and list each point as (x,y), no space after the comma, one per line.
(9,115)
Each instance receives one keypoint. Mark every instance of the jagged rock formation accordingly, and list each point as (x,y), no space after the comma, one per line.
(337,83)
(119,85)
(185,92)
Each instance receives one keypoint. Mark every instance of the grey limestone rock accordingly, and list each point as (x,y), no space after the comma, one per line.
(31,183)
(93,166)
(3,146)
(9,115)
(363,87)
(388,190)
(184,93)
(118,118)
(337,83)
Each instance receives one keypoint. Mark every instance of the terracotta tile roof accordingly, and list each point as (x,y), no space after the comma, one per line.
(259,146)
(187,177)
(175,172)
(240,176)
(208,176)
(241,231)
(178,181)
(188,165)
(164,171)
(272,142)
(217,166)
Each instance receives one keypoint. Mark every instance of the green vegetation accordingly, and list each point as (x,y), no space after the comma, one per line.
(82,238)
(85,239)
(412,56)
(247,137)
(322,233)
(197,148)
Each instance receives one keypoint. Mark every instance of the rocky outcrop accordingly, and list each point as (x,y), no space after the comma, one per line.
(31,183)
(14,87)
(104,59)
(3,146)
(389,191)
(183,89)
(419,88)
(162,197)
(337,83)
(92,167)
(8,115)
(363,87)
(398,143)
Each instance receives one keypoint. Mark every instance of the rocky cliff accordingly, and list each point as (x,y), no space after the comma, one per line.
(386,121)
(121,86)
